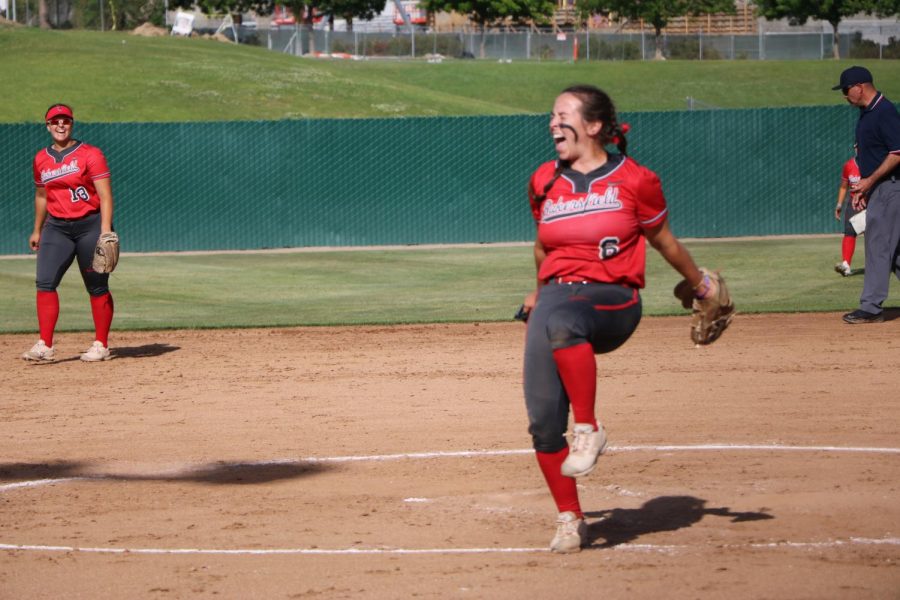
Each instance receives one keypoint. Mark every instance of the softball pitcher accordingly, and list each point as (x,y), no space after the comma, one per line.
(73,205)
(594,210)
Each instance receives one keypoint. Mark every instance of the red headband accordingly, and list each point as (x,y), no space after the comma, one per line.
(59,110)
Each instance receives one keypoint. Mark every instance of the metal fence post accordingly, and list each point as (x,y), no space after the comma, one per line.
(762,42)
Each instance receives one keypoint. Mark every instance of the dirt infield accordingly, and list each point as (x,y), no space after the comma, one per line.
(393,462)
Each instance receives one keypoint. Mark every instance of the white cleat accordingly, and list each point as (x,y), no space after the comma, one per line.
(844,269)
(96,353)
(571,534)
(39,351)
(587,445)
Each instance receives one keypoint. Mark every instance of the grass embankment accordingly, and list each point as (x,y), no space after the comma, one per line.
(119,77)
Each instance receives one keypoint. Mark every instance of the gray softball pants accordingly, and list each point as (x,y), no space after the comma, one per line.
(62,242)
(604,315)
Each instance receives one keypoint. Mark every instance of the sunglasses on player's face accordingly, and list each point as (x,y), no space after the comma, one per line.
(60,121)
(846,90)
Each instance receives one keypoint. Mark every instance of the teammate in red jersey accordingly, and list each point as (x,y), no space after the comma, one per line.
(849,177)
(73,205)
(594,210)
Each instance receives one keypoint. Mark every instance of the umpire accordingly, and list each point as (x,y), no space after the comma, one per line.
(878,190)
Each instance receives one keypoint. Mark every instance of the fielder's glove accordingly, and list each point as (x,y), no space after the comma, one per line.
(712,313)
(106,254)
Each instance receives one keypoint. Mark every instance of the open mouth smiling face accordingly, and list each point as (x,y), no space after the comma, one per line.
(564,137)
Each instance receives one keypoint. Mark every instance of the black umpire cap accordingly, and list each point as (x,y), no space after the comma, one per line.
(853,76)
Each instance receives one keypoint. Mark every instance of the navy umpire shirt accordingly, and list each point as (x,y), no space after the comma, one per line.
(878,134)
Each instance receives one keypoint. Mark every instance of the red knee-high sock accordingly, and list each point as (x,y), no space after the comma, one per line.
(562,488)
(102,310)
(847,248)
(47,314)
(578,371)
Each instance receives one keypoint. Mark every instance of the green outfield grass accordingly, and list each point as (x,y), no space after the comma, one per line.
(415,285)
(112,77)
(115,77)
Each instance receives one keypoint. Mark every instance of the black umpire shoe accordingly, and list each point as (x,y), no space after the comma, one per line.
(863,316)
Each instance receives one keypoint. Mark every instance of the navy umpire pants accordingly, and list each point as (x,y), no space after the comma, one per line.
(882,240)
(604,315)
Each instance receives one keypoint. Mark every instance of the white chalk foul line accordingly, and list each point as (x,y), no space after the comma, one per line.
(482,453)
(854,541)
(772,447)
(38,482)
(669,448)
(425,551)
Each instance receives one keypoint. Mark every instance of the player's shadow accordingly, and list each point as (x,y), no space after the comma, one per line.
(34,471)
(220,473)
(249,473)
(665,513)
(145,351)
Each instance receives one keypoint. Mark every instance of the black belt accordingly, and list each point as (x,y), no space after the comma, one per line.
(570,279)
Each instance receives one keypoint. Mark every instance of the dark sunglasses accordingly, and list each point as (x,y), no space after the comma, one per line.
(59,121)
(846,90)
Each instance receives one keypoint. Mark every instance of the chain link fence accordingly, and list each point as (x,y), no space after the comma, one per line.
(348,182)
(882,42)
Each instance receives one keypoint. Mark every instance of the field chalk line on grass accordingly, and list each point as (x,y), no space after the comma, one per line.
(432,551)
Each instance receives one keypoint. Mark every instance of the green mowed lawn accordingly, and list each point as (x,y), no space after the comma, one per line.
(412,285)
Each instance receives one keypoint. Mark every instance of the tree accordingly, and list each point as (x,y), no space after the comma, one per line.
(43,14)
(486,13)
(236,8)
(658,12)
(365,10)
(832,11)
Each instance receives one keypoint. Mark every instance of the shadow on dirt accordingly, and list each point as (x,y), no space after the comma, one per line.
(145,351)
(32,471)
(666,513)
(248,473)
(891,313)
(220,473)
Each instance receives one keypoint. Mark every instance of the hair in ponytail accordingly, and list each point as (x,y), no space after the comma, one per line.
(560,166)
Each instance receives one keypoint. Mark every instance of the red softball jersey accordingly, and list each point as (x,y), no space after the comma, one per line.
(592,225)
(850,172)
(69,177)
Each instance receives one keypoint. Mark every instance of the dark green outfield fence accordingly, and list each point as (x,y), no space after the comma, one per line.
(274,184)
